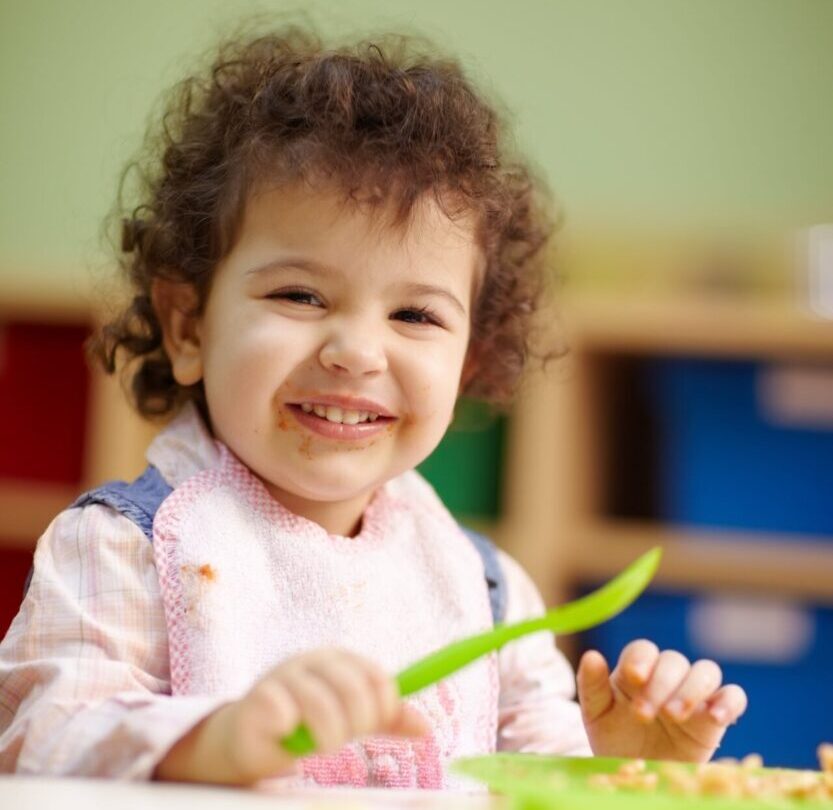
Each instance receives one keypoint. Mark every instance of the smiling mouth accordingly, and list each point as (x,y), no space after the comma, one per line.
(339,416)
(335,421)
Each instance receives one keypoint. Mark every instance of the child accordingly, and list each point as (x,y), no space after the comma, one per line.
(332,248)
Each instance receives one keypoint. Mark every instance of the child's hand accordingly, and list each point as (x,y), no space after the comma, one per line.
(338,695)
(656,705)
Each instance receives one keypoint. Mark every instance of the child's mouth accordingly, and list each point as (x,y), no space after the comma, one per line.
(335,422)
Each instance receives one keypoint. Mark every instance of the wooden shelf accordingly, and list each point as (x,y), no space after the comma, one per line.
(702,325)
(116,437)
(767,564)
(42,299)
(27,508)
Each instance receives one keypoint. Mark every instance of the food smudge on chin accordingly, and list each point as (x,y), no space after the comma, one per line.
(304,447)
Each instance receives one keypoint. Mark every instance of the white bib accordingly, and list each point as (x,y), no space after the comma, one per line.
(246,584)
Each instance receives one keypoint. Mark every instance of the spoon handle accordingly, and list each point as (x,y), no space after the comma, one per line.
(581,614)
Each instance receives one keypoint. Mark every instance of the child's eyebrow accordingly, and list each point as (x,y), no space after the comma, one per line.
(431,289)
(319,269)
(315,268)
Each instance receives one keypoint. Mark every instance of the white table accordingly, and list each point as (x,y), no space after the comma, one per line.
(40,793)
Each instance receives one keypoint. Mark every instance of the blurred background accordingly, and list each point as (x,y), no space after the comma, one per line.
(689,146)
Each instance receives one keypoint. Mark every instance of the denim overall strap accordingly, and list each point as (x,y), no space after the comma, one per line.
(138,501)
(493,573)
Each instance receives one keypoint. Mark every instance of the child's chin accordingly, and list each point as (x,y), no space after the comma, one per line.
(339,494)
(332,487)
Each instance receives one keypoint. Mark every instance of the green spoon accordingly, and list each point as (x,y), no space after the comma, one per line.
(581,614)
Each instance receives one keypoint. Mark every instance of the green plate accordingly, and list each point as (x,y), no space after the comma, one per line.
(536,782)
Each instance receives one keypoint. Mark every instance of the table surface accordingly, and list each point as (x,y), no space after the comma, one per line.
(40,793)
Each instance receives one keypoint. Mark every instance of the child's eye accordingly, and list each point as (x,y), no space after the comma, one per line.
(297,297)
(423,315)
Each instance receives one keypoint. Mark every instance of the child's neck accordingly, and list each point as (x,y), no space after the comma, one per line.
(335,517)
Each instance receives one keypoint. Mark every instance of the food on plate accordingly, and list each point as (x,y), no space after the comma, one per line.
(726,777)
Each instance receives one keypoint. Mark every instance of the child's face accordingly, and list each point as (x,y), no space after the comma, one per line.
(322,305)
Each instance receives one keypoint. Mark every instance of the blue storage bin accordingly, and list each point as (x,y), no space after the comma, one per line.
(780,653)
(723,462)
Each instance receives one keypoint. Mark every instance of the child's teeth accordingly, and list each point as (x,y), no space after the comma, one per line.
(334,413)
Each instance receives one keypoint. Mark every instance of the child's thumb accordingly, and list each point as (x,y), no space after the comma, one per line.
(408,723)
(595,692)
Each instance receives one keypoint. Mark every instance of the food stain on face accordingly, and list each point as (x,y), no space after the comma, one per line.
(304,447)
(353,448)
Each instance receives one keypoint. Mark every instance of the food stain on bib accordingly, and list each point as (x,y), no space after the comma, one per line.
(207,572)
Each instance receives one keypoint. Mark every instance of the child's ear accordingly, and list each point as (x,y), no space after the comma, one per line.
(176,306)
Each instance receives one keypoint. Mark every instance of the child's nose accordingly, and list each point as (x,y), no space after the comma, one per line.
(354,352)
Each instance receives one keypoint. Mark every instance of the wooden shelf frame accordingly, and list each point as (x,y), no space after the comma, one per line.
(769,327)
(116,437)
(556,523)
(27,508)
(790,566)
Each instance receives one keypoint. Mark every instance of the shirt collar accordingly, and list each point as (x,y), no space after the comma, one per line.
(184,447)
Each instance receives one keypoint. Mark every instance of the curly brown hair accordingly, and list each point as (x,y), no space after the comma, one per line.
(386,115)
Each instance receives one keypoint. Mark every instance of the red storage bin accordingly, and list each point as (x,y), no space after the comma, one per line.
(14,568)
(44,391)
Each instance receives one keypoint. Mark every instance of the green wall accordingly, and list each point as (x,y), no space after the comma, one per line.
(661,110)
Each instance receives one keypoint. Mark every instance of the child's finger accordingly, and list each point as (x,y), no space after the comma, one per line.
(595,693)
(395,716)
(727,705)
(320,709)
(670,671)
(384,691)
(707,729)
(270,713)
(702,681)
(407,722)
(350,684)
(274,705)
(635,666)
